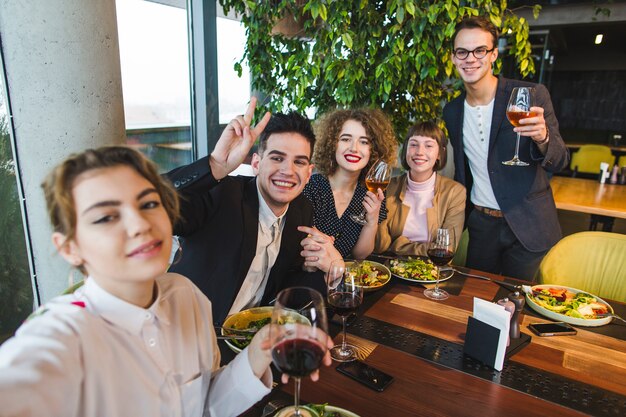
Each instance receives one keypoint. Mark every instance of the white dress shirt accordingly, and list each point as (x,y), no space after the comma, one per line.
(93,354)
(269,235)
(476,131)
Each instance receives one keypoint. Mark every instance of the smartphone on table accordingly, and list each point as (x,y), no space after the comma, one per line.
(366,375)
(552,329)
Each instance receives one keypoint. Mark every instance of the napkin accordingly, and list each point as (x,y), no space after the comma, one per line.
(497,317)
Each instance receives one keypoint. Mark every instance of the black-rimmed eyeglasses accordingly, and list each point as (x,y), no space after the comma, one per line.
(478,53)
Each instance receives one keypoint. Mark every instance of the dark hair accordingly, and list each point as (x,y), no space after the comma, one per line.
(384,144)
(59,184)
(429,129)
(287,123)
(477,22)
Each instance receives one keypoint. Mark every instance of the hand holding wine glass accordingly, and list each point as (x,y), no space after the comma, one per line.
(377,177)
(345,297)
(298,335)
(520,102)
(440,251)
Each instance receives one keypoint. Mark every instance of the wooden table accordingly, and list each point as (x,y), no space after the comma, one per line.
(426,388)
(589,196)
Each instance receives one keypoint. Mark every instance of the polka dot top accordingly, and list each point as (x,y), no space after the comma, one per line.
(344,229)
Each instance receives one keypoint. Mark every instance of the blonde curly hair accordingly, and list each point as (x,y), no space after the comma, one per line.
(384,144)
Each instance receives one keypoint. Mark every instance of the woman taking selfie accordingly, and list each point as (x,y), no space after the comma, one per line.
(133,340)
(348,143)
(421,201)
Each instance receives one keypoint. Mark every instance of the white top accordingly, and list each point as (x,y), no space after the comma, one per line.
(476,130)
(267,248)
(93,354)
(419,197)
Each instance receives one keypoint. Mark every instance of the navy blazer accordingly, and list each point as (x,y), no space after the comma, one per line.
(523,193)
(218,230)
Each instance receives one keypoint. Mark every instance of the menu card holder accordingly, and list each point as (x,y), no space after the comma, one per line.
(482,342)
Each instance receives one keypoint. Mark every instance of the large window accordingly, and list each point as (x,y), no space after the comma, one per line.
(154,58)
(234,92)
(16,293)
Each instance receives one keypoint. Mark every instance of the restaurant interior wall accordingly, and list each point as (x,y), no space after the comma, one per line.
(63,94)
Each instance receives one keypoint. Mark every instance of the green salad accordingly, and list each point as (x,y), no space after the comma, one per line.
(579,305)
(366,275)
(252,327)
(414,268)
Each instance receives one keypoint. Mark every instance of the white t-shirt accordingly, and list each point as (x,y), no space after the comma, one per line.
(476,131)
(92,354)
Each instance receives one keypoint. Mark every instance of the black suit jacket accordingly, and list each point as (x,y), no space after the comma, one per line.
(218,230)
(523,193)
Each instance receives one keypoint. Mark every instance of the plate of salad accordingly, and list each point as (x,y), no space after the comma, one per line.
(317,410)
(568,304)
(371,275)
(248,322)
(417,269)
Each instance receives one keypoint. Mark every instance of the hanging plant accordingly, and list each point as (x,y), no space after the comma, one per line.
(392,54)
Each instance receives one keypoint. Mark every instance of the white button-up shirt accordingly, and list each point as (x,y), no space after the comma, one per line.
(270,231)
(93,354)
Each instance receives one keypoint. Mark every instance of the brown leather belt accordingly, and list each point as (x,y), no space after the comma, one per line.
(488,211)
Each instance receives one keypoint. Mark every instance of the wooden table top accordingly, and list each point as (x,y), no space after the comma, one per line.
(425,388)
(589,196)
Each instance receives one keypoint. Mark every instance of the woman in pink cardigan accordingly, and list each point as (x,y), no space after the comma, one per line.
(420,201)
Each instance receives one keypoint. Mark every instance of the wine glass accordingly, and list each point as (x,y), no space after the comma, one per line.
(377,177)
(520,102)
(345,296)
(440,251)
(298,335)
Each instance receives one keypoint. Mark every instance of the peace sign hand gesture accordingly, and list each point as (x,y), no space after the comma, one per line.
(235,142)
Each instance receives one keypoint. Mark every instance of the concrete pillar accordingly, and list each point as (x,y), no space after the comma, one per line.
(62,65)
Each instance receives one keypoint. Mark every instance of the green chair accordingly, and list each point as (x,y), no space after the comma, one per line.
(460,257)
(590,261)
(588,158)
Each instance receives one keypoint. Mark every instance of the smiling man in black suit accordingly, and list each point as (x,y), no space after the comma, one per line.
(245,238)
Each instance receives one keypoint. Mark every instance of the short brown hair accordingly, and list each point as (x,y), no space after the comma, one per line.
(429,129)
(384,144)
(477,22)
(59,184)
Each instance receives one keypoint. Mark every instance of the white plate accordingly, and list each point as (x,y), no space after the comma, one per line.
(327,409)
(446,274)
(381,268)
(562,317)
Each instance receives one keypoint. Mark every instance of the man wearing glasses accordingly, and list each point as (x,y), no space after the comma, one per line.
(513,220)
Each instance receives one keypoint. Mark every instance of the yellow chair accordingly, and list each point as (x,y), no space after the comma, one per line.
(460,257)
(621,161)
(590,261)
(588,158)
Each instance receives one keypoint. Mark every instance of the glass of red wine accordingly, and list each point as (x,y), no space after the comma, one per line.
(298,335)
(377,177)
(518,108)
(440,251)
(345,297)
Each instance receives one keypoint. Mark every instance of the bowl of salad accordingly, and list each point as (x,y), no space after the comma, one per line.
(570,305)
(247,322)
(370,275)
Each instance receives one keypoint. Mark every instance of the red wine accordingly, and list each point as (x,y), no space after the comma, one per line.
(297,357)
(440,256)
(345,303)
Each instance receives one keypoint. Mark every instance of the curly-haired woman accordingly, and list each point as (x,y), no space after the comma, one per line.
(421,201)
(349,142)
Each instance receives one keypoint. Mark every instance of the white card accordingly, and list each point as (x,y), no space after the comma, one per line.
(494,315)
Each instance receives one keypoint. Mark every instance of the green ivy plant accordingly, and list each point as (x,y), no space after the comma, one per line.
(392,54)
